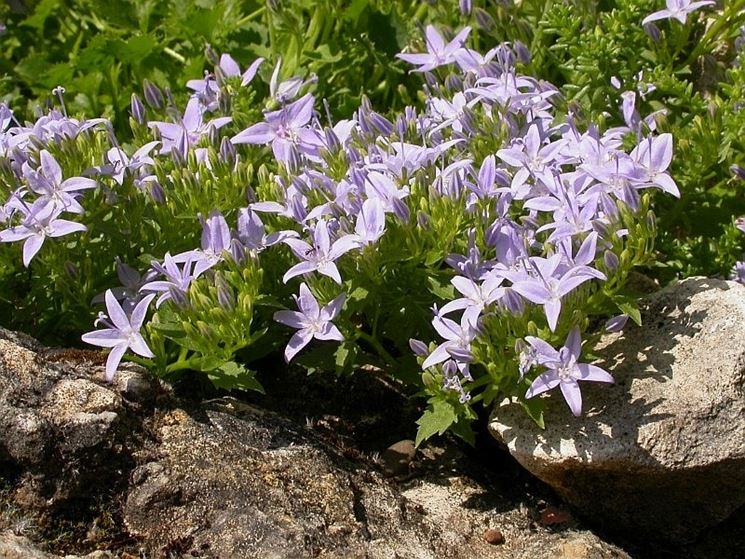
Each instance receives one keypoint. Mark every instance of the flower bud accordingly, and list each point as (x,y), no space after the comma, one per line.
(213,135)
(71,269)
(738,172)
(227,152)
(422,219)
(153,95)
(137,109)
(224,103)
(653,31)
(453,82)
(332,140)
(616,323)
(418,347)
(225,295)
(610,260)
(522,52)
(483,19)
(211,55)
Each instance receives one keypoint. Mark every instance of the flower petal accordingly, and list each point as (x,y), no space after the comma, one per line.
(573,396)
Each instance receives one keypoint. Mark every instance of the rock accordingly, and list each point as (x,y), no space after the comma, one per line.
(397,458)
(660,455)
(131,470)
(13,546)
(493,536)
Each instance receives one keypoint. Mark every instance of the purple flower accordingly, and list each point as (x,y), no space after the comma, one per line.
(563,370)
(52,190)
(653,156)
(120,164)
(438,53)
(215,242)
(458,338)
(285,129)
(321,256)
(129,293)
(122,333)
(175,283)
(39,224)
(252,234)
(191,128)
(370,224)
(676,9)
(549,285)
(531,156)
(476,296)
(312,321)
(231,69)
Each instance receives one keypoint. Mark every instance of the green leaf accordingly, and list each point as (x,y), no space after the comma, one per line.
(232,375)
(435,420)
(463,430)
(355,9)
(628,305)
(43,10)
(135,49)
(345,356)
(441,290)
(534,407)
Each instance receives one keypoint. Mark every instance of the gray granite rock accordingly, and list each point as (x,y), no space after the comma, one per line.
(661,454)
(128,469)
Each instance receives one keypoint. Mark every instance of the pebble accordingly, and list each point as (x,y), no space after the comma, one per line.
(396,459)
(493,537)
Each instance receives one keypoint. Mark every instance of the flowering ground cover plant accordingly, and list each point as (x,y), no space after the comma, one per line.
(473,245)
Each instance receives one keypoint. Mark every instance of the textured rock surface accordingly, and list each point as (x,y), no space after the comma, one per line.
(661,454)
(128,469)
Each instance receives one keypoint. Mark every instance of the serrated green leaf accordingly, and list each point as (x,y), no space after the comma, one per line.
(435,420)
(534,407)
(441,290)
(628,305)
(233,375)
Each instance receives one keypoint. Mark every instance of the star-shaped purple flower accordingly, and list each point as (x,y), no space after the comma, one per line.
(121,333)
(312,321)
(563,370)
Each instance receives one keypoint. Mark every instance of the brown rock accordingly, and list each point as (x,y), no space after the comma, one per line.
(493,536)
(397,458)
(660,455)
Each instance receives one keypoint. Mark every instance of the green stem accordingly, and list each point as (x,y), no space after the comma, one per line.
(724,20)
(387,357)
(251,16)
(173,54)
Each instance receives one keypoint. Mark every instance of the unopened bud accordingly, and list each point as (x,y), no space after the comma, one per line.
(71,269)
(211,55)
(653,31)
(610,259)
(224,103)
(453,82)
(419,347)
(137,109)
(153,95)
(522,52)
(225,295)
(483,19)
(156,191)
(213,135)
(738,172)
(227,152)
